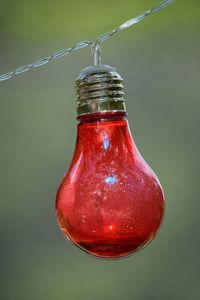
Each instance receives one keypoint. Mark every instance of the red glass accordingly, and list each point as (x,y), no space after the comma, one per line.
(110,203)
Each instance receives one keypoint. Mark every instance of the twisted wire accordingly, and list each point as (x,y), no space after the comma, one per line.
(95,46)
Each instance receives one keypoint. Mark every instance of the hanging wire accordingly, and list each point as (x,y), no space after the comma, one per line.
(95,46)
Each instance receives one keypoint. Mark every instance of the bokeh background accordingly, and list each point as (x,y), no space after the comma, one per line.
(159,60)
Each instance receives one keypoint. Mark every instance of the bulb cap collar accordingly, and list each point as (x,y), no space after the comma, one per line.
(99,89)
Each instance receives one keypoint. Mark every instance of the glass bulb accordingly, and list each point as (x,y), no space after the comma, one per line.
(110,203)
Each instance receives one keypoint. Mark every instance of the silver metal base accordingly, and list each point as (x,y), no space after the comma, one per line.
(99,89)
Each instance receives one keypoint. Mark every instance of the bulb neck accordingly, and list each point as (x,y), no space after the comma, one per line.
(102,116)
(99,89)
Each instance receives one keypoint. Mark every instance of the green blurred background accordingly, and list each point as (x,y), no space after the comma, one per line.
(160,62)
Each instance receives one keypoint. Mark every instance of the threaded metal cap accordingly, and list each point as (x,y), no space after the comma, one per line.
(99,89)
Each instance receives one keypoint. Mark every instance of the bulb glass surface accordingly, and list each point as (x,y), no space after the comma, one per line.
(110,203)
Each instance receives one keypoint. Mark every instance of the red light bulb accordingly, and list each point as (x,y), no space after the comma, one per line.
(110,203)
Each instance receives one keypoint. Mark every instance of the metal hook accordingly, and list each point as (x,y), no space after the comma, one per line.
(96,52)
